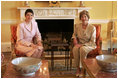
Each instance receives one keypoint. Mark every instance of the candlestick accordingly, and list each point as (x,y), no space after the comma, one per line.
(82,4)
(27,3)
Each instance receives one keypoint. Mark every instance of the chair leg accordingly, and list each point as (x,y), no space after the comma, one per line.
(71,57)
(13,55)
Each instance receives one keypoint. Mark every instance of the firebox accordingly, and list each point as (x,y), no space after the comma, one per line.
(55,29)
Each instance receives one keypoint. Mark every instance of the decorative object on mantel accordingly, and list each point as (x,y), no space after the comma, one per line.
(81,4)
(27,3)
(54,3)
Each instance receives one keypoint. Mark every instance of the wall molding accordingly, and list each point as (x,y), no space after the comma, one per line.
(91,21)
(101,20)
(8,21)
(5,46)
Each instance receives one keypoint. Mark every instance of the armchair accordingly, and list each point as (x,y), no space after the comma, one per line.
(95,52)
(16,53)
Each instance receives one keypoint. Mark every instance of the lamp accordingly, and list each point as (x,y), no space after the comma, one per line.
(112,30)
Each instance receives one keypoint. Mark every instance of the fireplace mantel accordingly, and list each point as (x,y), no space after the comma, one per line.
(53,12)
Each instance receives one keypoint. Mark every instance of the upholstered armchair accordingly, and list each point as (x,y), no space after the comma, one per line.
(95,52)
(16,53)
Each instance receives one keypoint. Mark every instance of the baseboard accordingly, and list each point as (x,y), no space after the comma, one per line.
(6,47)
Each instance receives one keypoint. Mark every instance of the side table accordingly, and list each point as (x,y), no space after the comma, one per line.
(53,47)
(94,71)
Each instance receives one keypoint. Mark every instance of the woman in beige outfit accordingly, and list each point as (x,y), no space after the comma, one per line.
(26,32)
(84,38)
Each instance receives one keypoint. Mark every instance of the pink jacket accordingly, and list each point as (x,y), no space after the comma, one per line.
(25,35)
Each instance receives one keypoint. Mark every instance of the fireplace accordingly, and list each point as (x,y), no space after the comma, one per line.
(55,23)
(56,28)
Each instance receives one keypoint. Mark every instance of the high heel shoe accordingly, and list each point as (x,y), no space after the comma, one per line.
(78,72)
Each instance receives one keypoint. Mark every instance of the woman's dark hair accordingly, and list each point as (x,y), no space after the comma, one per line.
(84,12)
(29,10)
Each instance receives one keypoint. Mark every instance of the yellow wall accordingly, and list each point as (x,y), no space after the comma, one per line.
(5,33)
(9,9)
(114,10)
(100,10)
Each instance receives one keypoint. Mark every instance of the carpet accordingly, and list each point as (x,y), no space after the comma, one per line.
(5,62)
(60,71)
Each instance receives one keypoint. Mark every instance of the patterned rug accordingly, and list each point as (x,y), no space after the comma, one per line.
(60,70)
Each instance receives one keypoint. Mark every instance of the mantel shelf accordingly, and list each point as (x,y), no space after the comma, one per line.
(85,8)
(54,12)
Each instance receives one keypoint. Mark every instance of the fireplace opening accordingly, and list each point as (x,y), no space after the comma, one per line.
(56,29)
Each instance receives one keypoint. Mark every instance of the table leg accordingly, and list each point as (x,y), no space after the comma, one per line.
(70,63)
(52,59)
(61,52)
(67,59)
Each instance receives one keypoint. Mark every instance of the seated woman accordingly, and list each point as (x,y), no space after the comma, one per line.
(26,32)
(84,38)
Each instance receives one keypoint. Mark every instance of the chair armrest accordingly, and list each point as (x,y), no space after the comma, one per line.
(114,51)
(100,52)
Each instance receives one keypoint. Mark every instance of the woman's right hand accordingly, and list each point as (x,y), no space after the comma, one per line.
(78,45)
(34,46)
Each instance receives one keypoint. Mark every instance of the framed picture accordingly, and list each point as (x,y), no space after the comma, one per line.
(54,3)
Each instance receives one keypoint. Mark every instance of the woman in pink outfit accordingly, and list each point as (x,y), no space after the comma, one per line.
(27,31)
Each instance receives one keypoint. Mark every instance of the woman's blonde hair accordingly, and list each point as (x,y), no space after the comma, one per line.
(84,12)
